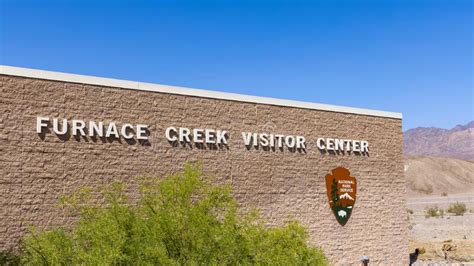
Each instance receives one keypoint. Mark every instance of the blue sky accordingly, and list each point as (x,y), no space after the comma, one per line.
(414,57)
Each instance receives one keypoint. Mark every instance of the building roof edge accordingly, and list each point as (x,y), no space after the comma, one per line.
(142,86)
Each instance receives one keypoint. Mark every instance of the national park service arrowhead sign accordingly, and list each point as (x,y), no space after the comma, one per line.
(341,190)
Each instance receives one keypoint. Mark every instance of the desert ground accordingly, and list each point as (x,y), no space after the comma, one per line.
(440,182)
(446,239)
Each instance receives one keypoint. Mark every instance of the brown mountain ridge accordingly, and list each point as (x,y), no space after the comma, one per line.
(457,142)
(437,175)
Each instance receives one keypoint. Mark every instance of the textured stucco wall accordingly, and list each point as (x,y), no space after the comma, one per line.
(34,171)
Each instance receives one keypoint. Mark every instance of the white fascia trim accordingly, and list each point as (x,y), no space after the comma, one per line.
(134,85)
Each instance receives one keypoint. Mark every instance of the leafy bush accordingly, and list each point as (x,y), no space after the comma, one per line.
(457,208)
(444,194)
(182,219)
(9,257)
(433,212)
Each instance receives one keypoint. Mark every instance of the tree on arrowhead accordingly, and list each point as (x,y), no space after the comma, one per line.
(334,195)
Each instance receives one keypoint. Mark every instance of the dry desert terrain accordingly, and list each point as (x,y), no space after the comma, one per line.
(440,182)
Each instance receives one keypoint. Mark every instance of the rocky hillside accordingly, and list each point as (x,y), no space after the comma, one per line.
(437,175)
(457,142)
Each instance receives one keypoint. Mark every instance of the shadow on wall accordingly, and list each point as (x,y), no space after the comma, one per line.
(200,146)
(335,153)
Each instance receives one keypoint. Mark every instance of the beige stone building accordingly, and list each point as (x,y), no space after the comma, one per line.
(275,153)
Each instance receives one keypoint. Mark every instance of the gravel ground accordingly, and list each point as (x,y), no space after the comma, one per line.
(456,232)
(419,203)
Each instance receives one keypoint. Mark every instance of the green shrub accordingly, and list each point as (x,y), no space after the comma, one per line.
(444,194)
(433,212)
(181,220)
(9,257)
(457,208)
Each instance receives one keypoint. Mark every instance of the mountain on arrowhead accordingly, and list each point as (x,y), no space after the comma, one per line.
(457,142)
(346,196)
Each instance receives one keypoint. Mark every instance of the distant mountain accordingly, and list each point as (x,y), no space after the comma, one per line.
(435,175)
(457,142)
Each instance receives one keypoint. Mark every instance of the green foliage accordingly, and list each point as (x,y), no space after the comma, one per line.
(181,220)
(444,194)
(434,211)
(9,257)
(457,208)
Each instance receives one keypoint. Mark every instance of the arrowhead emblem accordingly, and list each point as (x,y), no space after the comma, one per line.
(341,189)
